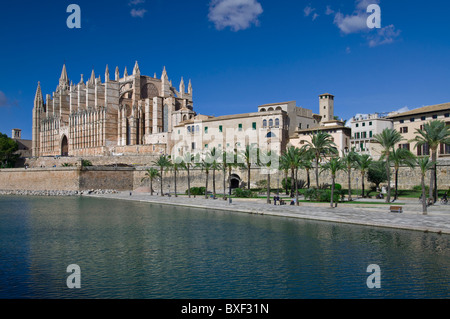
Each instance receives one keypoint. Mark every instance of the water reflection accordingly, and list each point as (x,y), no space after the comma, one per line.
(136,250)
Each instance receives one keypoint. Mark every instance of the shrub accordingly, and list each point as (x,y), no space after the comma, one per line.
(244,193)
(321,195)
(418,188)
(85,163)
(300,183)
(197,191)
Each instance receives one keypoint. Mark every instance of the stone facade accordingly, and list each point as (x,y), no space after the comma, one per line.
(407,123)
(364,128)
(96,118)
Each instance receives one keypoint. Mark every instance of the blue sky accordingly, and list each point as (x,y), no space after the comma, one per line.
(238,53)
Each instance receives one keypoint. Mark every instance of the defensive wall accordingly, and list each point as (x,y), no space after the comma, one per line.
(77,178)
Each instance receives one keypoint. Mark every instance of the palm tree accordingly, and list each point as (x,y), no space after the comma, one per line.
(433,133)
(292,158)
(321,145)
(214,156)
(284,166)
(424,165)
(266,160)
(349,161)
(363,163)
(400,156)
(187,163)
(162,162)
(177,164)
(206,165)
(230,160)
(306,163)
(334,165)
(251,156)
(150,174)
(388,138)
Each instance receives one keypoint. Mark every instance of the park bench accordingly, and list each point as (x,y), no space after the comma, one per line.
(396,209)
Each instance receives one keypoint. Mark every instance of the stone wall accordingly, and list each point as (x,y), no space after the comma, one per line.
(66,179)
(120,178)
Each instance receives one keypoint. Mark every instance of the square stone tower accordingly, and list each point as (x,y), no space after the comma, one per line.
(326,107)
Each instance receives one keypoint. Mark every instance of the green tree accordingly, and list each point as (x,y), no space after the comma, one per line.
(424,164)
(214,157)
(321,145)
(163,162)
(176,165)
(433,133)
(363,163)
(150,174)
(350,162)
(292,159)
(334,165)
(267,161)
(284,166)
(206,165)
(388,138)
(230,160)
(400,156)
(8,147)
(187,163)
(250,155)
(377,173)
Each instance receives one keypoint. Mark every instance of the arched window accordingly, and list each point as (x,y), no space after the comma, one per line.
(277,122)
(264,123)
(270,109)
(270,134)
(270,123)
(262,110)
(189,129)
(197,128)
(278,109)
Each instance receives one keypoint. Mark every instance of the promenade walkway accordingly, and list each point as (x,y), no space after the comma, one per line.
(437,220)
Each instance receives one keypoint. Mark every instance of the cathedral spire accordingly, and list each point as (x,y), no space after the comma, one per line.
(190,87)
(164,75)
(92,79)
(107,74)
(38,97)
(182,87)
(64,79)
(117,74)
(136,69)
(125,73)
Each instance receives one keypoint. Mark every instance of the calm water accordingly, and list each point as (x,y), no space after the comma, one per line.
(137,250)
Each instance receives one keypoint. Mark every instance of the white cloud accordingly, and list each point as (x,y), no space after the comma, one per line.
(329,11)
(351,23)
(384,35)
(5,102)
(3,99)
(357,23)
(139,13)
(236,14)
(348,50)
(135,2)
(308,10)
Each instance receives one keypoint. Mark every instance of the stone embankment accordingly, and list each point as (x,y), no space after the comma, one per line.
(58,193)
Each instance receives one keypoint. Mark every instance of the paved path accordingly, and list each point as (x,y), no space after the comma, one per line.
(437,220)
